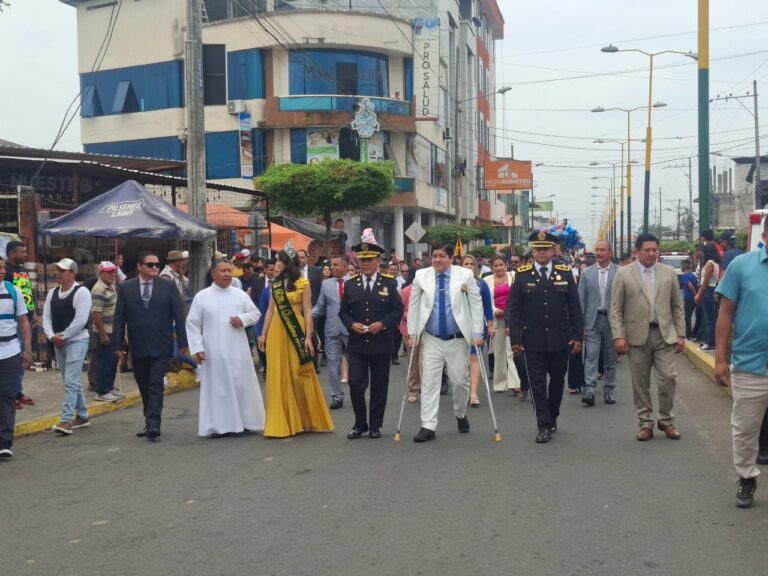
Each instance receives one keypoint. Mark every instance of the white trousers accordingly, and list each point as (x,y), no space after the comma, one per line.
(750,399)
(454,355)
(504,372)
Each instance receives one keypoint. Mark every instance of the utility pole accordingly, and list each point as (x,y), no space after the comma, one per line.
(703,98)
(679,215)
(661,230)
(457,184)
(196,176)
(690,202)
(758,182)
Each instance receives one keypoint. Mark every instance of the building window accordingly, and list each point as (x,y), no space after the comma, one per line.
(222,154)
(245,69)
(260,160)
(214,74)
(338,72)
(156,86)
(163,148)
(298,145)
(408,78)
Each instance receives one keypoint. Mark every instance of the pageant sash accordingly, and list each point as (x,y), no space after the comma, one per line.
(291,323)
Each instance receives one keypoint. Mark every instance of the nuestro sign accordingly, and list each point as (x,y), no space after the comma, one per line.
(508,175)
(426,67)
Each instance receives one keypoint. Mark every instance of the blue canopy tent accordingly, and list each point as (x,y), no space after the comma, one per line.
(129,210)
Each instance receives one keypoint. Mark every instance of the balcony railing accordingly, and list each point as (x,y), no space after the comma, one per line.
(341,104)
(222,10)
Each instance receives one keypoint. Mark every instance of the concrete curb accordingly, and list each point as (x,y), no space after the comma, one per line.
(701,360)
(96,409)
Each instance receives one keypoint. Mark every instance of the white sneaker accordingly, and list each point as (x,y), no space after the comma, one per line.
(6,453)
(108,397)
(116,394)
(705,347)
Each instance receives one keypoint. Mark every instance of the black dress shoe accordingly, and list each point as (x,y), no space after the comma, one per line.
(609,398)
(336,404)
(543,436)
(762,457)
(142,434)
(356,432)
(374,433)
(424,435)
(588,398)
(463,424)
(153,432)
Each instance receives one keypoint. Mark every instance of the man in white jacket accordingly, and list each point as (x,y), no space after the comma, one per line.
(445,315)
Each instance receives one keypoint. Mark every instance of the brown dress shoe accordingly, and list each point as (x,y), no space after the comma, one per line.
(645,433)
(670,430)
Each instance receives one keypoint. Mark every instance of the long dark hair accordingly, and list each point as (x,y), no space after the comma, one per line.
(291,272)
(709,251)
(411,276)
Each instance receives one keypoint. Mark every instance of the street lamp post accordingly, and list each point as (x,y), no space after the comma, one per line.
(611,49)
(614,215)
(607,231)
(628,112)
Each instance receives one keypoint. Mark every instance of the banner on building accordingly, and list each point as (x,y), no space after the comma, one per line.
(246,147)
(322,143)
(426,69)
(508,175)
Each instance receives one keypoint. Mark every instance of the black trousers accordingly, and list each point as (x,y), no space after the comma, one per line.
(520,366)
(398,342)
(9,380)
(763,445)
(547,399)
(149,373)
(365,370)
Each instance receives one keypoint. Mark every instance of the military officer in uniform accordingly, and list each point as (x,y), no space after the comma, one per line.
(545,322)
(371,309)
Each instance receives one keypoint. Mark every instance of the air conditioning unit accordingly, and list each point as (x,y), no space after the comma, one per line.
(235,106)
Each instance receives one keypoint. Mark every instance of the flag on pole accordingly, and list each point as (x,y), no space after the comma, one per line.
(459,249)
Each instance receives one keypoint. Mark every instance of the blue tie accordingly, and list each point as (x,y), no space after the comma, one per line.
(441,308)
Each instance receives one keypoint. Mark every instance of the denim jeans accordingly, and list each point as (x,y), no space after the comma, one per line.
(70,359)
(710,314)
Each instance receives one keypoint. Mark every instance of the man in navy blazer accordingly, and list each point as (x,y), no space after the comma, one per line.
(152,308)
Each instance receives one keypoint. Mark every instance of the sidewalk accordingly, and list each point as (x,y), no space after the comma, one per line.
(47,390)
(703,360)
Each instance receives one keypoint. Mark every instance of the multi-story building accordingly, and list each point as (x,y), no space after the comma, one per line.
(283,81)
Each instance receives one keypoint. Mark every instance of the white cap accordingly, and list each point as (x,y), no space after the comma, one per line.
(67,264)
(245,252)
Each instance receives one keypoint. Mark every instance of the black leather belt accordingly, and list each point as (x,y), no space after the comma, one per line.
(451,337)
(603,312)
(653,324)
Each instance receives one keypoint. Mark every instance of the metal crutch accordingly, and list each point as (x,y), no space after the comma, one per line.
(402,404)
(484,375)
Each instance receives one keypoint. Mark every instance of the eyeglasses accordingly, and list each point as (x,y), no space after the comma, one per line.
(151,264)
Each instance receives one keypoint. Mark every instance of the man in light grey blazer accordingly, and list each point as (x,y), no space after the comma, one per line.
(328,302)
(648,323)
(595,296)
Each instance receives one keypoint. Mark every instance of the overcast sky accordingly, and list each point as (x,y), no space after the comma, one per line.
(546,115)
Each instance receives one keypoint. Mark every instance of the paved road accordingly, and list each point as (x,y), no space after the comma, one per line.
(593,502)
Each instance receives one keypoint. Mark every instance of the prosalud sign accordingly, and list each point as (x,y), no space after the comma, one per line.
(426,69)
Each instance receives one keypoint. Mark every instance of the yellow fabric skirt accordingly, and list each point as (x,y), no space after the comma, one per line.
(295,401)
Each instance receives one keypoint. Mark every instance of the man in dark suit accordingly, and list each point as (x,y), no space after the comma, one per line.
(545,321)
(371,310)
(315,277)
(153,309)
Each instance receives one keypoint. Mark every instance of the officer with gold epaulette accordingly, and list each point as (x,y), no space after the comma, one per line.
(545,323)
(371,310)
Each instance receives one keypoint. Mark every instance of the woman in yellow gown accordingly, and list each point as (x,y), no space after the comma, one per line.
(294,399)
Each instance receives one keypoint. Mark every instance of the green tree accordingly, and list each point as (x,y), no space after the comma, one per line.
(483,251)
(327,188)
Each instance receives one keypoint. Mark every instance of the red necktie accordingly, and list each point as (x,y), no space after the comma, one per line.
(341,288)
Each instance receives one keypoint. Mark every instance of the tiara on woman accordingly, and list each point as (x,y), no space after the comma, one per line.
(290,249)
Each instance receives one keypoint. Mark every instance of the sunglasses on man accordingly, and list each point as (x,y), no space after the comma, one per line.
(151,264)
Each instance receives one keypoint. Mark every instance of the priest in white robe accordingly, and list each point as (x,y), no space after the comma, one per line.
(230,398)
